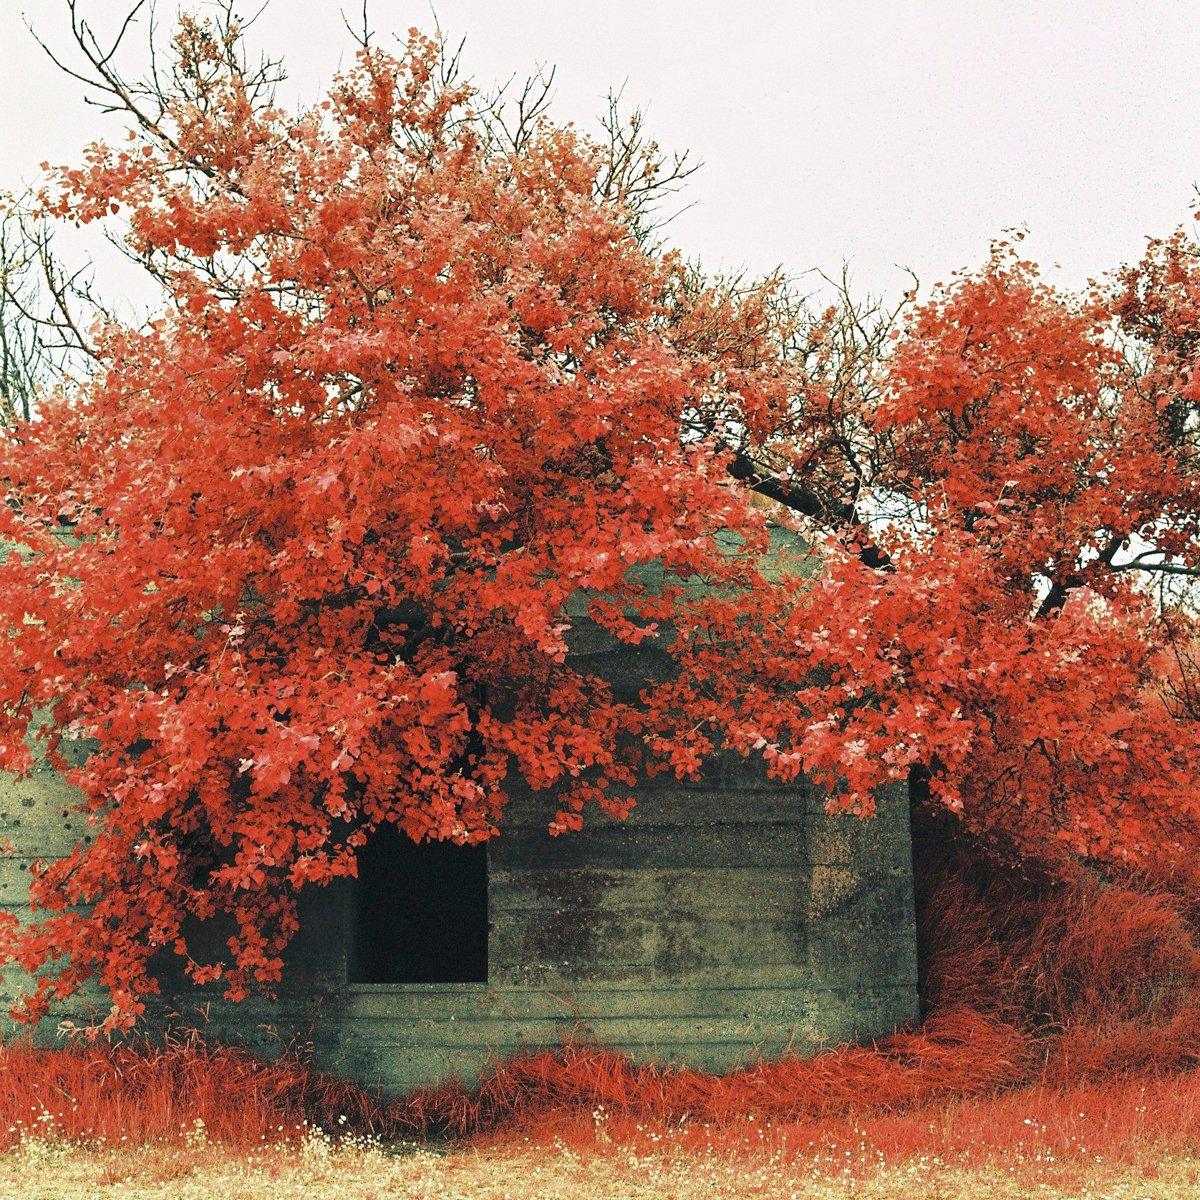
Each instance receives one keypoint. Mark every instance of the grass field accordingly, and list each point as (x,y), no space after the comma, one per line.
(118,1130)
(1139,1142)
(317,1171)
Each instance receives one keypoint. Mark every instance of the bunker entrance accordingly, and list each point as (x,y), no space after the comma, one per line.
(419,912)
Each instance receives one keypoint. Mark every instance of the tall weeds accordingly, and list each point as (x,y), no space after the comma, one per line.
(180,1090)
(1053,988)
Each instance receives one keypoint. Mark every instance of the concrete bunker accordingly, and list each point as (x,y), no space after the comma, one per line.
(725,919)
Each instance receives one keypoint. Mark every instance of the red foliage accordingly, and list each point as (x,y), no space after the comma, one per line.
(326,513)
(412,388)
(1013,654)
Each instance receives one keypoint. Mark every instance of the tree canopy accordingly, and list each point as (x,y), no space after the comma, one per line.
(422,373)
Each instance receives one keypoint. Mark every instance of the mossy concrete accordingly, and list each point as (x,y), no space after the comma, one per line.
(725,919)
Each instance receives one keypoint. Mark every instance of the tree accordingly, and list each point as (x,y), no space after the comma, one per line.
(422,374)
(419,379)
(24,356)
(999,473)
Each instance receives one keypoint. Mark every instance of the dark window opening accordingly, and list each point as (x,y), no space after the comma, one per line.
(420,912)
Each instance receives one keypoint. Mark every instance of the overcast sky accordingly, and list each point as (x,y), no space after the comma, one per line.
(873,132)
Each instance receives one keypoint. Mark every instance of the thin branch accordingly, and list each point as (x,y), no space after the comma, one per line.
(1162,568)
(801,499)
(363,35)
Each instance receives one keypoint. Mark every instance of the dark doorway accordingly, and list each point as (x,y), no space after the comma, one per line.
(420,912)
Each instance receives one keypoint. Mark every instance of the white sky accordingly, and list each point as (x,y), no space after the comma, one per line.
(875,132)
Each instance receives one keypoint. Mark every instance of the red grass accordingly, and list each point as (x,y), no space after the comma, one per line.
(145,1093)
(1028,1126)
(1041,1004)
(956,1052)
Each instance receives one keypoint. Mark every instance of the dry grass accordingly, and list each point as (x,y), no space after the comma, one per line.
(317,1171)
(1133,1141)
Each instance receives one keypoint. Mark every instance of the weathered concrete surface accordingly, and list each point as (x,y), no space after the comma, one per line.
(724,919)
(716,923)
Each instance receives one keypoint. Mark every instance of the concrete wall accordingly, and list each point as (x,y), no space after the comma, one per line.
(724,919)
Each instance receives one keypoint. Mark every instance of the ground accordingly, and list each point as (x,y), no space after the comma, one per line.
(316,1170)
(192,1123)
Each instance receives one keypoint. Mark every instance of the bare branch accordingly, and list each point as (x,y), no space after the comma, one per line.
(637,173)
(133,12)
(363,34)
(1142,563)
(27,357)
